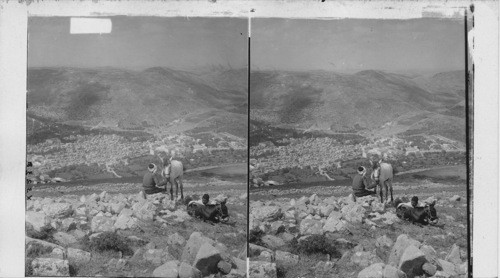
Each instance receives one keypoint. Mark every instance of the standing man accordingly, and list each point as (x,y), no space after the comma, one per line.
(360,184)
(152,182)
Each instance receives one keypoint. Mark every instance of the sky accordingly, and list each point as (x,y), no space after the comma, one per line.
(347,45)
(140,42)
(358,44)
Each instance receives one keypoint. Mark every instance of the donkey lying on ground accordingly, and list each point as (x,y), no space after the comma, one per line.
(382,174)
(215,213)
(423,215)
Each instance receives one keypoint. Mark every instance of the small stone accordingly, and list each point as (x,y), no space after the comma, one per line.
(429,269)
(455,198)
(224,267)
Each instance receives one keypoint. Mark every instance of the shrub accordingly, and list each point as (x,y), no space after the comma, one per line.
(316,244)
(35,249)
(109,241)
(28,269)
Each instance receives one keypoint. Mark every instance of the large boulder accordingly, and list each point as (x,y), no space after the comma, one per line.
(169,269)
(38,220)
(50,267)
(311,227)
(102,224)
(196,240)
(372,271)
(266,213)
(207,259)
(58,210)
(412,261)
(402,242)
(258,269)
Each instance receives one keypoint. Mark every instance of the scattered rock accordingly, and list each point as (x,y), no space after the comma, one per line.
(429,269)
(266,213)
(58,210)
(196,240)
(286,258)
(102,224)
(207,259)
(265,256)
(38,220)
(372,271)
(50,267)
(311,227)
(392,272)
(176,239)
(365,259)
(187,271)
(273,242)
(258,269)
(167,270)
(334,223)
(448,268)
(79,256)
(454,255)
(64,239)
(402,242)
(455,198)
(411,261)
(224,267)
(125,220)
(353,213)
(384,241)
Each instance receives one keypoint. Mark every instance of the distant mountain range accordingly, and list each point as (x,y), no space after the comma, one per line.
(369,101)
(127,99)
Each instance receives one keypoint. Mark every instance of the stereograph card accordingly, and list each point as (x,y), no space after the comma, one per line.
(249,139)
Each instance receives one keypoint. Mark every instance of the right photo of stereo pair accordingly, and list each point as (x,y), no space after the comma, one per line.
(358,148)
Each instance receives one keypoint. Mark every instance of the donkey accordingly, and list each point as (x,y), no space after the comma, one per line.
(173,170)
(422,215)
(211,212)
(383,174)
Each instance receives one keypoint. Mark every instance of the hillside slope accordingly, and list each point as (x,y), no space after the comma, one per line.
(365,101)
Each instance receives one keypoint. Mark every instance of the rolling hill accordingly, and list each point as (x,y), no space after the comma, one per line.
(134,100)
(367,101)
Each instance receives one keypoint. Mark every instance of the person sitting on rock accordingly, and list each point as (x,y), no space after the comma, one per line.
(152,182)
(360,184)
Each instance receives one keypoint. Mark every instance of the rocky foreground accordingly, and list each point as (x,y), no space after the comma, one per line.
(130,235)
(336,237)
